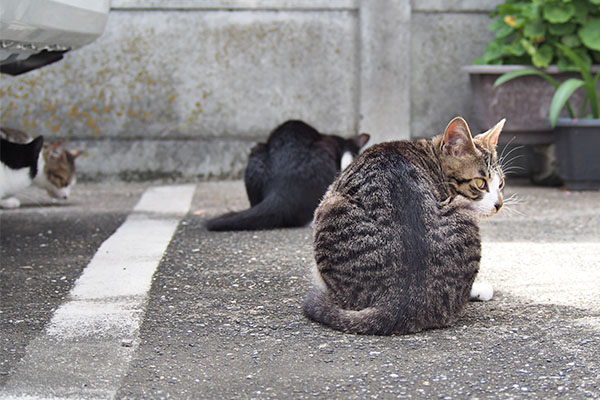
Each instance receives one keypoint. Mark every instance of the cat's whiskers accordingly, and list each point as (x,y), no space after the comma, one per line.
(512,211)
(505,165)
(505,156)
(505,147)
(512,170)
(508,162)
(38,198)
(510,202)
(514,199)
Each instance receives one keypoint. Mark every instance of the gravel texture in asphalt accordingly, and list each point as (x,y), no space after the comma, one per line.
(224,320)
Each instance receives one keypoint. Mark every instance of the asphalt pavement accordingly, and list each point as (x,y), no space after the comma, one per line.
(221,316)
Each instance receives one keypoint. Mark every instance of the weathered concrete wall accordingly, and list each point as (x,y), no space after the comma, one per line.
(183,88)
(445,36)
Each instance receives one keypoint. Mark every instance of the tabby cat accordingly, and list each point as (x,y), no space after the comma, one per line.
(26,162)
(396,237)
(287,176)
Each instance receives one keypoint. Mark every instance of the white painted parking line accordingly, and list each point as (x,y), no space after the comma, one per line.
(86,348)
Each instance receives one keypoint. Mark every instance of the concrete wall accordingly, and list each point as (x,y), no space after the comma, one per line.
(182,88)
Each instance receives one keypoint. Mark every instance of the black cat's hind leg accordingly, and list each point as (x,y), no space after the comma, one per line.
(257,173)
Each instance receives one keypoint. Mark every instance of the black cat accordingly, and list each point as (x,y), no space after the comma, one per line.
(20,165)
(287,177)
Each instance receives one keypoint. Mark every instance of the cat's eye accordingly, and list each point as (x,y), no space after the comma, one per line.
(480,183)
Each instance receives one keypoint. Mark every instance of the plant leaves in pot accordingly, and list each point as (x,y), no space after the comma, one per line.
(557,41)
(577,137)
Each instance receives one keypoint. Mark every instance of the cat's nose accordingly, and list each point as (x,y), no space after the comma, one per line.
(498,206)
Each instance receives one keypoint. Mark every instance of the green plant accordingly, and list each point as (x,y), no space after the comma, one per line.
(528,32)
(566,89)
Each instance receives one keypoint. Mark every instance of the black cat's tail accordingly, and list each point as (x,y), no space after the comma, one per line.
(377,320)
(265,215)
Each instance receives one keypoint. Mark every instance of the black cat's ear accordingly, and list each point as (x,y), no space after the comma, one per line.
(38,144)
(361,139)
(457,138)
(490,137)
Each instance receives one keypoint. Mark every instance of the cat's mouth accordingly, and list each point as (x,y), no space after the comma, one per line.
(485,211)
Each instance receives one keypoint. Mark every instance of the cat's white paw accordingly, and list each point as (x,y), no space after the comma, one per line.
(481,291)
(11,202)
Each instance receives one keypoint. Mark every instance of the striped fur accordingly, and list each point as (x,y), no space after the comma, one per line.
(396,237)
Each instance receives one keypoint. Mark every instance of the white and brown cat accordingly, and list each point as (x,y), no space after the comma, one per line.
(26,161)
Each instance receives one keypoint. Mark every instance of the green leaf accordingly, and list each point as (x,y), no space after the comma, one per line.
(507,9)
(558,13)
(504,31)
(497,24)
(565,64)
(590,34)
(584,55)
(528,46)
(561,96)
(582,66)
(516,49)
(597,2)
(589,82)
(535,29)
(543,56)
(561,29)
(509,76)
(570,41)
(493,51)
(582,10)
(531,11)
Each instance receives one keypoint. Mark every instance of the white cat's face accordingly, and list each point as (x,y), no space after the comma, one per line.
(491,202)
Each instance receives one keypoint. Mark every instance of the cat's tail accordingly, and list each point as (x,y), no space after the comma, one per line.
(265,215)
(377,320)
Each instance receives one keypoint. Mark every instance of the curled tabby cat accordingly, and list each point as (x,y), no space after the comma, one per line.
(396,237)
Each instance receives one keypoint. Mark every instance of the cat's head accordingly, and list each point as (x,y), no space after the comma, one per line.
(351,148)
(59,170)
(471,165)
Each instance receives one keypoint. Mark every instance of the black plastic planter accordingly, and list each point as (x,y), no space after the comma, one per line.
(578,153)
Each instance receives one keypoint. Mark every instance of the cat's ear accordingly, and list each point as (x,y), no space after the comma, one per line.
(75,153)
(457,138)
(490,137)
(38,144)
(362,139)
(53,150)
(57,147)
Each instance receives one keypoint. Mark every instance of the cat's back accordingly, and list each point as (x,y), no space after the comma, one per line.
(399,168)
(18,164)
(295,158)
(385,195)
(293,133)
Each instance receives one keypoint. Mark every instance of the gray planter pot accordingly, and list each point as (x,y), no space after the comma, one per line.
(578,153)
(524,102)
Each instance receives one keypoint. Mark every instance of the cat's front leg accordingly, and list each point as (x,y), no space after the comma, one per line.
(481,291)
(10,202)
